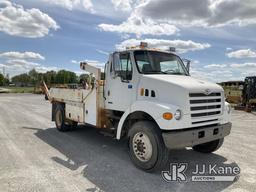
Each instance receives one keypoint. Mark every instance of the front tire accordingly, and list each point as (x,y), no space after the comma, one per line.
(209,147)
(146,147)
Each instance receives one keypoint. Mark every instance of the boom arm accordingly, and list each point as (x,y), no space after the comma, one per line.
(91,69)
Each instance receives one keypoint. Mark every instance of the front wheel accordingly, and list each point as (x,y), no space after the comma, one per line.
(146,147)
(209,147)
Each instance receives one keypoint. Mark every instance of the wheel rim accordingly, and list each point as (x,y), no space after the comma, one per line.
(142,147)
(58,118)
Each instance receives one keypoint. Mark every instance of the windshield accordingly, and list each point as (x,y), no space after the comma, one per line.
(153,62)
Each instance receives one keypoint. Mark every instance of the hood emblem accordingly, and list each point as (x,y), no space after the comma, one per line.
(207,92)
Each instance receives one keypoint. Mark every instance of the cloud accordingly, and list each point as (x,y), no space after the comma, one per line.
(124,5)
(30,23)
(21,62)
(224,72)
(215,66)
(217,75)
(102,52)
(74,61)
(243,53)
(180,45)
(139,26)
(43,69)
(166,17)
(72,4)
(244,65)
(201,12)
(22,55)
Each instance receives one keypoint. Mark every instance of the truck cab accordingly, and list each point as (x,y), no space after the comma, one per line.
(149,98)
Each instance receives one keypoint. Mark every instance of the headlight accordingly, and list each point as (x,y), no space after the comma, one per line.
(178,114)
(229,108)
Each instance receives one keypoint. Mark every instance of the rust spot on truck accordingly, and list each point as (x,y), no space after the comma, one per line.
(102,120)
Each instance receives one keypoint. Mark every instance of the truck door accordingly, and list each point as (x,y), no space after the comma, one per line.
(119,82)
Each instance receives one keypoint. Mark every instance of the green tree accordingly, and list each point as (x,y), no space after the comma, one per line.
(64,77)
(1,80)
(33,76)
(22,79)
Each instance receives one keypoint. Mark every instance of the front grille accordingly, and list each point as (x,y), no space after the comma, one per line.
(207,121)
(204,108)
(205,114)
(203,95)
(205,101)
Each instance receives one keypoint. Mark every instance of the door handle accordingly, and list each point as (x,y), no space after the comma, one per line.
(108,92)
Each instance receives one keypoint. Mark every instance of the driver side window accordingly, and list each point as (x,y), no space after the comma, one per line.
(123,66)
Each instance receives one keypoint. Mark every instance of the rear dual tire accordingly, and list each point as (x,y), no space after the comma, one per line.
(62,124)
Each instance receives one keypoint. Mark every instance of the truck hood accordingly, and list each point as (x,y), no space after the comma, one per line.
(187,82)
(175,89)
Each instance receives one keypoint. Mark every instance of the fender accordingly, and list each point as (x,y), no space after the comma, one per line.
(155,110)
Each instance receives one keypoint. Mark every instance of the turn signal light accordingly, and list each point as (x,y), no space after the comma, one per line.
(168,116)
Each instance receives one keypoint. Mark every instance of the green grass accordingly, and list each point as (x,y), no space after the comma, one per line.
(21,89)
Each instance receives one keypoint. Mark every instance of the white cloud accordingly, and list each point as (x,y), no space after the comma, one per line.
(139,26)
(215,66)
(201,12)
(72,4)
(244,65)
(195,62)
(243,53)
(21,55)
(74,61)
(31,23)
(181,46)
(224,72)
(43,69)
(229,49)
(213,75)
(102,52)
(165,17)
(21,63)
(124,5)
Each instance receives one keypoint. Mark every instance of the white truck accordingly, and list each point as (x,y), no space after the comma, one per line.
(149,98)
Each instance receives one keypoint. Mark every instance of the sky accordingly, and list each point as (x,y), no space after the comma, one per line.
(218,36)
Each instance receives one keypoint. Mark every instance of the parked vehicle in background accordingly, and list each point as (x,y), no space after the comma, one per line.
(149,98)
(233,91)
(249,92)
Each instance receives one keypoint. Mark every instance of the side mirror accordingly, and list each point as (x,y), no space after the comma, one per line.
(187,64)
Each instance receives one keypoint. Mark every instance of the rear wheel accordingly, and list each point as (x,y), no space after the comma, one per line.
(146,147)
(61,122)
(209,147)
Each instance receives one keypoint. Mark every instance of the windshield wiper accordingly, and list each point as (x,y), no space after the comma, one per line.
(155,72)
(172,73)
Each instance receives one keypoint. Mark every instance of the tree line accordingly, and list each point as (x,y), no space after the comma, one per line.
(34,78)
(3,80)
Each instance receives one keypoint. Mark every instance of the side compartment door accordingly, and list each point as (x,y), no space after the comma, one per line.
(119,82)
